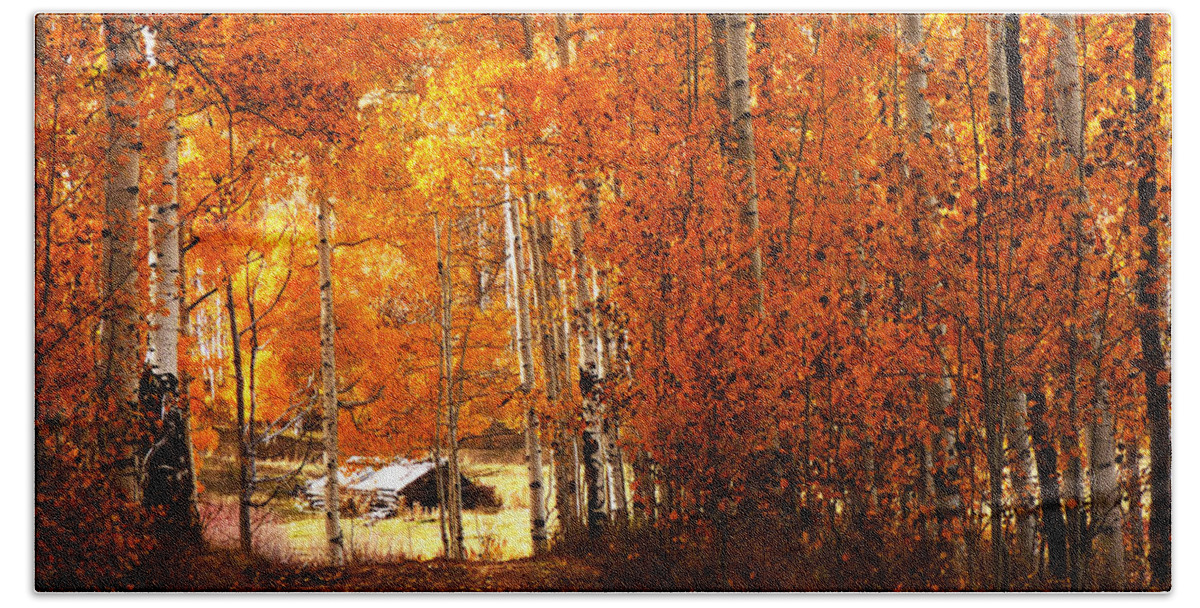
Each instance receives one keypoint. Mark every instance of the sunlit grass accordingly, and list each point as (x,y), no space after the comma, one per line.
(494,536)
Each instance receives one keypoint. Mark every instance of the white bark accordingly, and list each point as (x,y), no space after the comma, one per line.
(1106,527)
(333,525)
(454,488)
(163,351)
(119,334)
(1068,105)
(1023,471)
(738,81)
(998,107)
(510,260)
(918,116)
(533,442)
(537,499)
(520,294)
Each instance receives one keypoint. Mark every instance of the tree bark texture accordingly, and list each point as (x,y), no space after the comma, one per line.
(1105,527)
(119,318)
(454,481)
(1151,319)
(738,81)
(333,524)
(1054,531)
(245,477)
(1021,465)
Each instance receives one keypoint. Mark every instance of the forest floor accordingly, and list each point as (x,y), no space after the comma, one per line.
(541,574)
(225,570)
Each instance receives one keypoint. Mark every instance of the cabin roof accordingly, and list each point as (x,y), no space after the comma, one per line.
(393,477)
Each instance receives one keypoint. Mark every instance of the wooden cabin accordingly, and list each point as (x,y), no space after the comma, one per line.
(400,486)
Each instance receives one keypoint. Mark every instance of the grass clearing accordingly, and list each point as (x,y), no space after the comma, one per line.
(299,535)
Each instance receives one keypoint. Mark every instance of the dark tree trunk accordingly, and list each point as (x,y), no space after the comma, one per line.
(1054,529)
(1158,398)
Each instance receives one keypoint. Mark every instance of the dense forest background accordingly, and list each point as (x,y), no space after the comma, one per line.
(775,301)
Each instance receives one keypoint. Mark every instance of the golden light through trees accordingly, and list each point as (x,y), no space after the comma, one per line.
(880,299)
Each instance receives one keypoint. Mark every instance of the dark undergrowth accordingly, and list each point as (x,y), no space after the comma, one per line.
(687,556)
(770,556)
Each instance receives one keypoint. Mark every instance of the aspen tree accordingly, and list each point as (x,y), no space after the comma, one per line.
(1150,303)
(993,330)
(446,368)
(738,80)
(245,458)
(942,460)
(333,524)
(1068,115)
(119,361)
(177,488)
(1023,471)
(533,441)
(1105,527)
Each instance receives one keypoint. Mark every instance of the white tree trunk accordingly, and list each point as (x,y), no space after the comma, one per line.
(163,350)
(738,81)
(333,524)
(537,499)
(454,486)
(918,116)
(1106,527)
(517,273)
(119,317)
(1068,104)
(162,353)
(533,442)
(1023,471)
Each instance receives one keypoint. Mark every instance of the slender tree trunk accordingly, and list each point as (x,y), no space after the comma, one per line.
(333,524)
(996,401)
(1068,113)
(537,499)
(946,476)
(1150,320)
(185,378)
(1054,529)
(594,464)
(591,374)
(453,485)
(439,472)
(533,446)
(1106,525)
(176,491)
(616,465)
(543,275)
(918,116)
(738,80)
(940,462)
(520,293)
(1136,520)
(244,532)
(1022,467)
(119,317)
